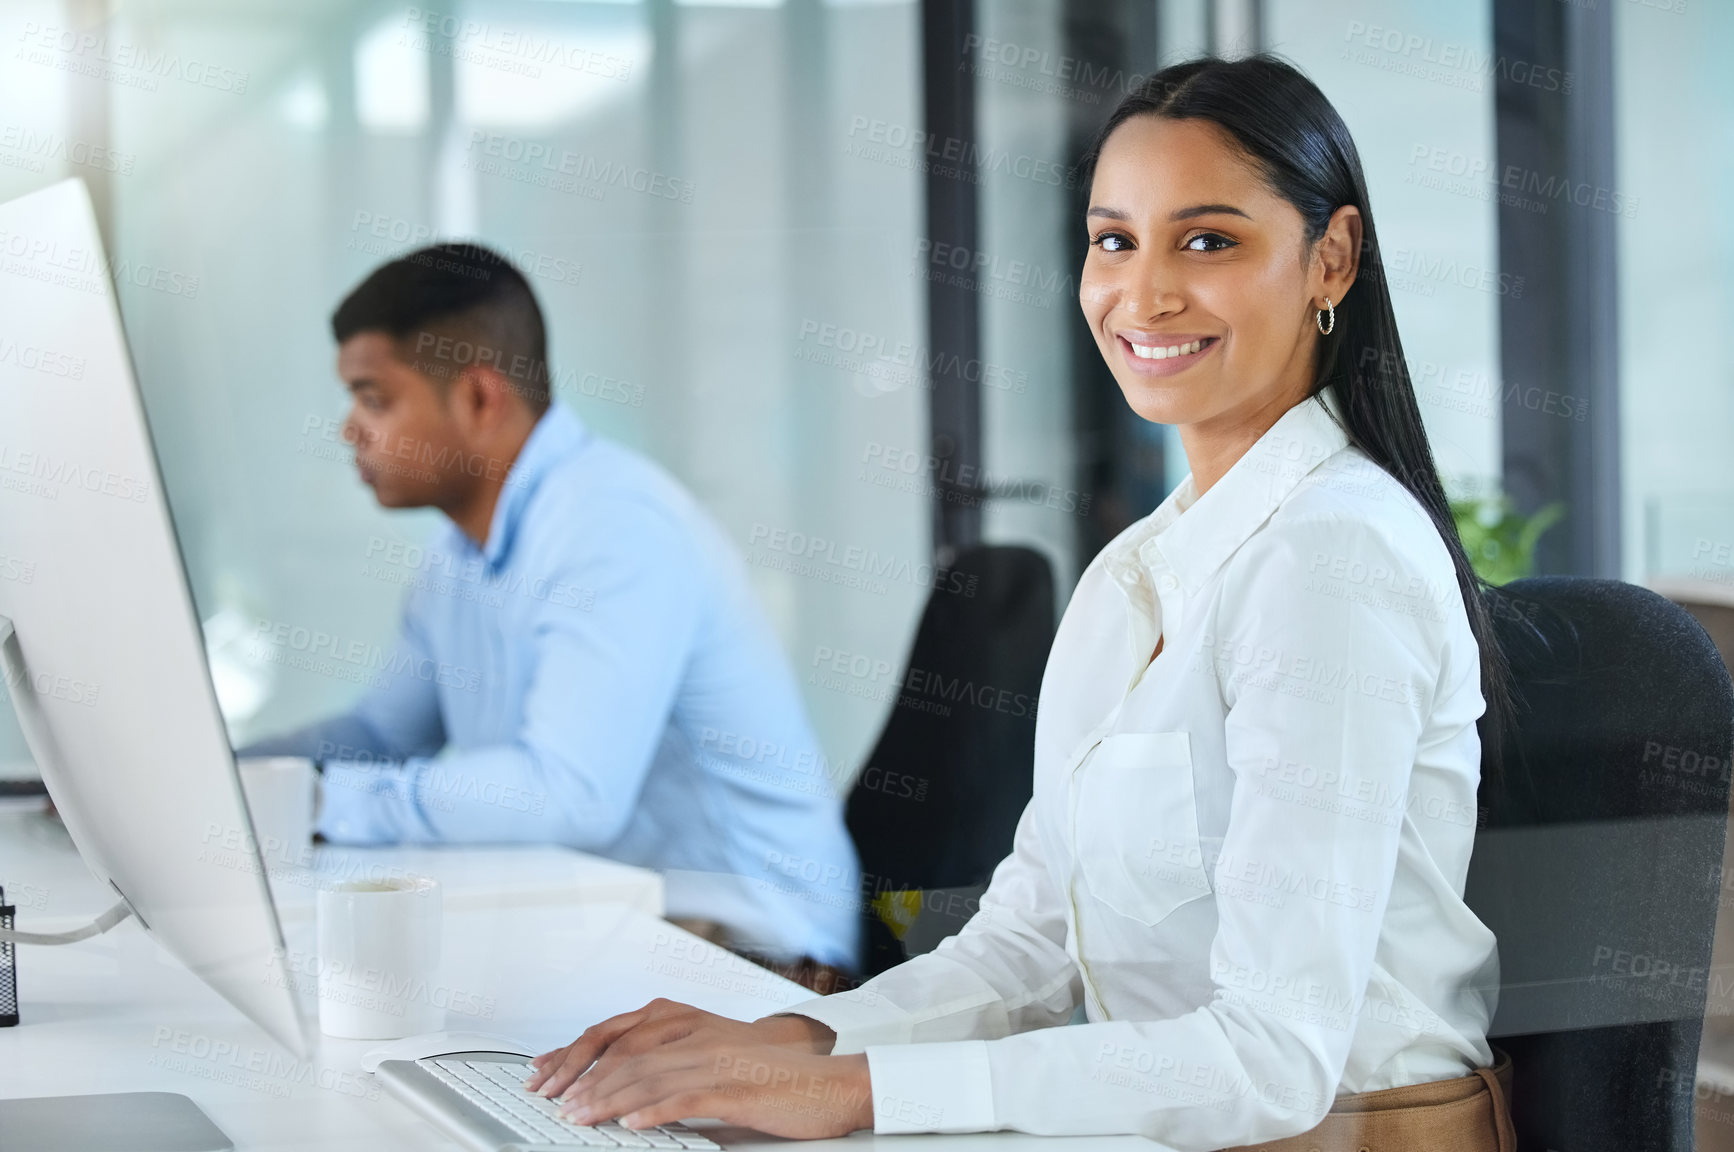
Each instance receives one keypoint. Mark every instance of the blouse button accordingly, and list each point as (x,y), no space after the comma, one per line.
(1169,583)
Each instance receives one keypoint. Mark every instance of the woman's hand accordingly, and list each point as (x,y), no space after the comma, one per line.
(668,1061)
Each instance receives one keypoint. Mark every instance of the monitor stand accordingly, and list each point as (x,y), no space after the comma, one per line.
(136,1121)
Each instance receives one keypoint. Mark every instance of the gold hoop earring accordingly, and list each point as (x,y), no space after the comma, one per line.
(1319,318)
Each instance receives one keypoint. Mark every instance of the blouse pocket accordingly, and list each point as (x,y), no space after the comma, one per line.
(1137,825)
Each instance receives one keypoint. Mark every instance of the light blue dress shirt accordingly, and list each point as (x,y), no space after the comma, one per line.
(600,675)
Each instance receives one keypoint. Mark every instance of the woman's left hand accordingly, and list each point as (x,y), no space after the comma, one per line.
(773,1088)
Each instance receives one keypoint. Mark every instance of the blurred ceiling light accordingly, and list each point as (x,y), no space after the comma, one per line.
(391,79)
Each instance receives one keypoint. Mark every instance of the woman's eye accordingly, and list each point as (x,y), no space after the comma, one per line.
(1209,242)
(1112,242)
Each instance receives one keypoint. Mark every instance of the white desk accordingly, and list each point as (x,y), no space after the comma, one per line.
(537,960)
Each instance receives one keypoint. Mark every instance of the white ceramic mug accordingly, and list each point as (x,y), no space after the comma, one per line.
(379,951)
(280,793)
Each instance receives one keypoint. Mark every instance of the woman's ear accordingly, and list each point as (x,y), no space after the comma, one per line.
(1338,254)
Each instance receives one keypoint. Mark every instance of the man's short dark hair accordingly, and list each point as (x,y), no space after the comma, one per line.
(450,306)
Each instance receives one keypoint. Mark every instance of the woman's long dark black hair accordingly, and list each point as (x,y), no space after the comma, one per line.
(1287,127)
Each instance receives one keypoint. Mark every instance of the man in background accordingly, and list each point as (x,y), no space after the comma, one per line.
(590,661)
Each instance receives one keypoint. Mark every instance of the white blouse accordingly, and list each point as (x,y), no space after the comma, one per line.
(1245,859)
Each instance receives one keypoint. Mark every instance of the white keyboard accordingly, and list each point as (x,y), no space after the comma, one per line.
(496,1087)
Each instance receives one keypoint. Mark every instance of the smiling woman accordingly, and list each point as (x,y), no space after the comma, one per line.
(1258,753)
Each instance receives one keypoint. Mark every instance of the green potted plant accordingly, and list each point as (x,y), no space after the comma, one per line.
(1501,540)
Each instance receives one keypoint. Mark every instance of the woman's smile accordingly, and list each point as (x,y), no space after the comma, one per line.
(1152,354)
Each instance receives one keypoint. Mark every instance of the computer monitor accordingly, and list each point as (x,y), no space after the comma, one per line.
(106,667)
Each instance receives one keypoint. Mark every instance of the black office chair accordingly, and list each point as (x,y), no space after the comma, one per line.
(1598,865)
(935,807)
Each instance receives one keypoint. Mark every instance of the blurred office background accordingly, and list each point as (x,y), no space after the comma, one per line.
(818,257)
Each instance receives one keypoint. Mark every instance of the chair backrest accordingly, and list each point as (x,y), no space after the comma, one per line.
(934,808)
(1598,862)
(1710,602)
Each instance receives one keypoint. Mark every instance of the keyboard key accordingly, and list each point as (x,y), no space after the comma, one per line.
(555,1133)
(696,1141)
(660,1139)
(624,1137)
(510,1075)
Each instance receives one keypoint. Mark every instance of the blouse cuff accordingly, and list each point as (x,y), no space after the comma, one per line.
(858,1017)
(940,1087)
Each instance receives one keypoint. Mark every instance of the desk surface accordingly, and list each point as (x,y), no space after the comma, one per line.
(534,962)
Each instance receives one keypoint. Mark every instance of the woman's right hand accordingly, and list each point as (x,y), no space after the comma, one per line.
(665,1022)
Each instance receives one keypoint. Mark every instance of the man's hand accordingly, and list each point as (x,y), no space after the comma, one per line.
(669,1061)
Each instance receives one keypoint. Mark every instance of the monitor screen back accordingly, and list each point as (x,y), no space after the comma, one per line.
(109,678)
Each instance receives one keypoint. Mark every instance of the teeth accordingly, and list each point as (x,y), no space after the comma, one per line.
(1149,353)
